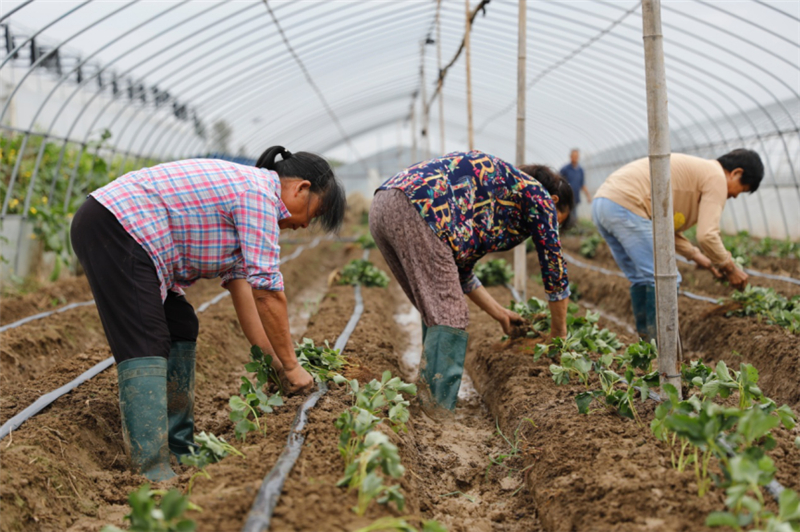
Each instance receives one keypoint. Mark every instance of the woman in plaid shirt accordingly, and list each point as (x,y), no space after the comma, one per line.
(144,237)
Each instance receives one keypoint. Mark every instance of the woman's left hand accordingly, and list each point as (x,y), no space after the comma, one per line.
(509,320)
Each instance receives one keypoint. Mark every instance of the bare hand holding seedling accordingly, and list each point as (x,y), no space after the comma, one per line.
(300,381)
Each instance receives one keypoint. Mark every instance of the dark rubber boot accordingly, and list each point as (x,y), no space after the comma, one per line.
(639,304)
(424,331)
(180,397)
(143,405)
(441,368)
(650,310)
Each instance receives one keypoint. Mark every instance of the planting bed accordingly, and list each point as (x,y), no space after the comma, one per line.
(517,456)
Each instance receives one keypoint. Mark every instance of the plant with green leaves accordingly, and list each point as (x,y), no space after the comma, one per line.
(372,404)
(157,511)
(576,364)
(321,361)
(366,241)
(363,272)
(402,524)
(494,272)
(590,245)
(261,364)
(583,335)
(378,455)
(745,510)
(722,383)
(502,459)
(769,305)
(210,449)
(639,355)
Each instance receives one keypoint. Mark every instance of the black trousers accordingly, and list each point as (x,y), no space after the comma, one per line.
(126,288)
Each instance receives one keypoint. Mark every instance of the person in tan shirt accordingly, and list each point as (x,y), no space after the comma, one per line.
(622,212)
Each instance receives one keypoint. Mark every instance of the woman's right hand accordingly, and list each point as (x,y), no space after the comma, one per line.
(300,381)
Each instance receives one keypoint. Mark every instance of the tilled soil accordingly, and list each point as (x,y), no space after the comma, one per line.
(597,472)
(448,476)
(705,330)
(66,468)
(49,297)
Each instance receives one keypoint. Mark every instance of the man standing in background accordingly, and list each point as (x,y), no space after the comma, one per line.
(573,173)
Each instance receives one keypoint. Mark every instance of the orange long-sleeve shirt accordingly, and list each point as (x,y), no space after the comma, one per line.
(699,191)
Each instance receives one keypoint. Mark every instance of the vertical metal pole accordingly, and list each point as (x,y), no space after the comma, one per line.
(439,69)
(426,143)
(414,159)
(470,129)
(661,190)
(520,264)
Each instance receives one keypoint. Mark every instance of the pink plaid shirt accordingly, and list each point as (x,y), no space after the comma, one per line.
(202,218)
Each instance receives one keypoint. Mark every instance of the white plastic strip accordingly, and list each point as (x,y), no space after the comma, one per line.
(41,315)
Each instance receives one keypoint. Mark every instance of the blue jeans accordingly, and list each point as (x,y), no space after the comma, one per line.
(630,238)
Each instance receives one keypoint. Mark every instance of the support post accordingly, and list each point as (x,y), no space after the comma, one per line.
(414,159)
(520,264)
(426,144)
(439,69)
(470,129)
(661,194)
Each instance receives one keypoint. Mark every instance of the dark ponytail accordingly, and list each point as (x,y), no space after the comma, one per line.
(316,170)
(555,185)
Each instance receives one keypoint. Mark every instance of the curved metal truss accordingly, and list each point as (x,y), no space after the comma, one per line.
(91,89)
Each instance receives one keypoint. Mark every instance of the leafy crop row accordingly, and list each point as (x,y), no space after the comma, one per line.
(767,304)
(494,272)
(363,272)
(589,245)
(56,194)
(698,429)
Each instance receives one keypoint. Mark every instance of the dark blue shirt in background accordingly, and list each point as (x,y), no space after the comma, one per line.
(575,178)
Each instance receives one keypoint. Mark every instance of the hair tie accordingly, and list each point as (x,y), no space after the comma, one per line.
(286,154)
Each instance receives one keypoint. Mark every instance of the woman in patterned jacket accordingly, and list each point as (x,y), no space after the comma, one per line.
(150,233)
(433,221)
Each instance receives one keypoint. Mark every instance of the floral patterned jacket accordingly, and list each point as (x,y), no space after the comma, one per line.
(478,204)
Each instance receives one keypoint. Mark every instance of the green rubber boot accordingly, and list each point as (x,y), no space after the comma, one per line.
(424,331)
(650,311)
(639,304)
(143,405)
(441,367)
(180,397)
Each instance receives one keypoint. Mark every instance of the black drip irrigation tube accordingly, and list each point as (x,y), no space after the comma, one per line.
(202,307)
(773,487)
(606,271)
(47,399)
(41,315)
(755,273)
(260,516)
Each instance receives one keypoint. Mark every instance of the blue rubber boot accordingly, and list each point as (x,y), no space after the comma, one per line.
(441,367)
(143,405)
(639,304)
(650,312)
(180,397)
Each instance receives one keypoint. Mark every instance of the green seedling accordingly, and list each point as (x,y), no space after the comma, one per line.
(157,511)
(589,246)
(366,241)
(494,272)
(363,272)
(372,404)
(767,304)
(575,364)
(514,449)
(243,409)
(322,362)
(261,364)
(210,450)
(379,455)
(401,524)
(640,356)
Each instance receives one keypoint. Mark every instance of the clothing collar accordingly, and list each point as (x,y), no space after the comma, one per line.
(283,212)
